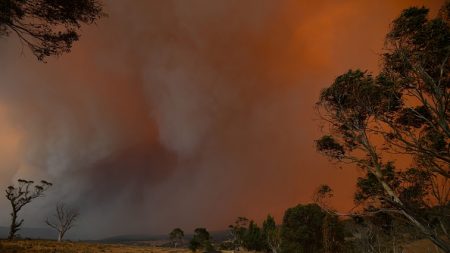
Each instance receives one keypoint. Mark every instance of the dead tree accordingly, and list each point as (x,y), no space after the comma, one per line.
(65,218)
(21,195)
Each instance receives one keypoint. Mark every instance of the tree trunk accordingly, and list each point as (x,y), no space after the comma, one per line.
(61,234)
(431,236)
(425,230)
(13,227)
(390,192)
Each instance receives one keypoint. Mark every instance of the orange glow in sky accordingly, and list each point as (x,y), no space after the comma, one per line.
(185,113)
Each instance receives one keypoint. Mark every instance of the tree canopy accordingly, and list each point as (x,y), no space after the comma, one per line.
(176,236)
(271,234)
(302,229)
(402,113)
(19,196)
(201,240)
(47,27)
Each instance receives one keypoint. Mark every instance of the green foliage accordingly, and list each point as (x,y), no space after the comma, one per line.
(226,245)
(370,188)
(305,227)
(253,239)
(246,234)
(419,49)
(47,27)
(418,62)
(333,235)
(176,236)
(201,240)
(407,23)
(413,187)
(356,95)
(302,229)
(271,234)
(330,147)
(380,233)
(194,245)
(238,231)
(402,110)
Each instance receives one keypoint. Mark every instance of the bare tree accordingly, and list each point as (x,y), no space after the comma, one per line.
(21,195)
(65,218)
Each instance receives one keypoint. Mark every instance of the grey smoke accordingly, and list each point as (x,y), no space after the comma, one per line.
(182,113)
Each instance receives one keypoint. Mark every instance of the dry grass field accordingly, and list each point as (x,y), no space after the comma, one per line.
(42,246)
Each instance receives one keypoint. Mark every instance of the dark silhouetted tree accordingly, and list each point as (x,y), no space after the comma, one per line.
(64,219)
(308,228)
(47,27)
(201,240)
(253,239)
(238,231)
(271,234)
(404,110)
(176,237)
(333,234)
(246,234)
(301,230)
(21,195)
(322,196)
(194,245)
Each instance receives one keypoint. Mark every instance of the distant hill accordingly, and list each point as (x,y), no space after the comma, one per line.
(217,236)
(47,233)
(35,233)
(134,238)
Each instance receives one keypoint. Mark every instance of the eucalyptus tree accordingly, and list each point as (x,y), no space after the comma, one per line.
(19,196)
(271,234)
(47,27)
(238,231)
(201,240)
(400,113)
(176,237)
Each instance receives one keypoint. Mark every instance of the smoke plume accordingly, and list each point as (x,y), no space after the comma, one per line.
(184,113)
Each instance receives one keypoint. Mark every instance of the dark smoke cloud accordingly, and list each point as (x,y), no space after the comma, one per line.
(184,113)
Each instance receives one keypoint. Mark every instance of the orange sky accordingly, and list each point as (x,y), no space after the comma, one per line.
(185,113)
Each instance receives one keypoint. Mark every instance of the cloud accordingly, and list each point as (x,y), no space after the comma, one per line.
(176,113)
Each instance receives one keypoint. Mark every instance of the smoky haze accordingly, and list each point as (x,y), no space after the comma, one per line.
(184,113)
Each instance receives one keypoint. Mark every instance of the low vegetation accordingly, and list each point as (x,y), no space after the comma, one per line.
(41,246)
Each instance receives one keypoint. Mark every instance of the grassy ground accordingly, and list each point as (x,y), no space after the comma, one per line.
(41,246)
